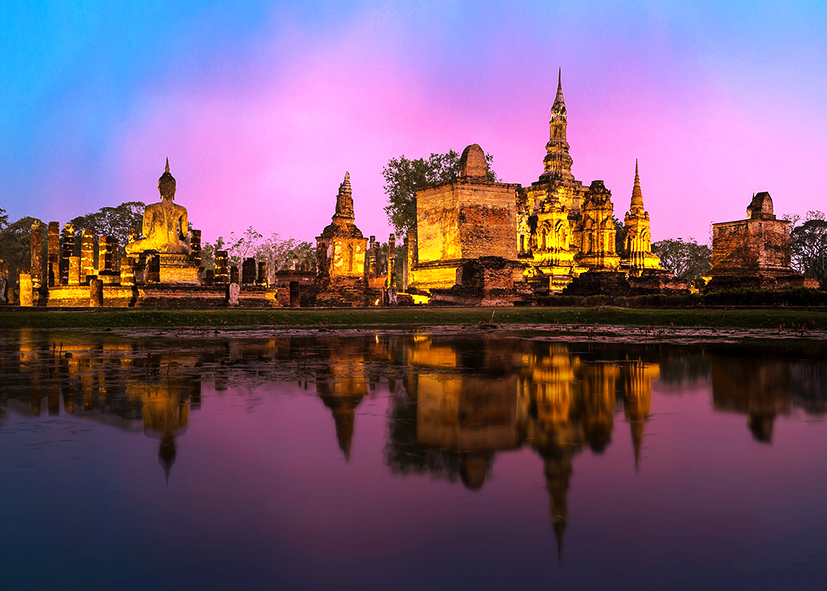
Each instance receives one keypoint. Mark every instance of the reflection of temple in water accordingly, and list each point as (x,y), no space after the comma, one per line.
(165,413)
(760,390)
(341,383)
(111,382)
(455,401)
(465,404)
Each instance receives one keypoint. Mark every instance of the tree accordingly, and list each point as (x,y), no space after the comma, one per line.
(283,254)
(404,177)
(113,221)
(16,245)
(684,259)
(808,245)
(620,235)
(242,247)
(4,218)
(278,253)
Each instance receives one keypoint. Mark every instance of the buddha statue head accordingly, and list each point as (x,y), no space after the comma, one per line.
(166,184)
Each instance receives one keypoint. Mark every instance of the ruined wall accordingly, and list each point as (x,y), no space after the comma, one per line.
(751,246)
(341,257)
(465,220)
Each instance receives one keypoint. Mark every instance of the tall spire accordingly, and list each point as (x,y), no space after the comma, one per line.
(344,202)
(557,163)
(637,195)
(559,98)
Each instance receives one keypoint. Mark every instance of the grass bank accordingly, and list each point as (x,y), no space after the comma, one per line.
(389,317)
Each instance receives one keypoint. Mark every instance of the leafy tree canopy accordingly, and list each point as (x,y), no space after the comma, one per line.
(684,259)
(404,177)
(4,218)
(808,245)
(113,221)
(277,252)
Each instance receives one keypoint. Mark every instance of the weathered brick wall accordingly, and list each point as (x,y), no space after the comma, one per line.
(750,246)
(436,225)
(466,220)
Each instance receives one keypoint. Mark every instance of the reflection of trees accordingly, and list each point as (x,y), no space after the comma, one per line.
(808,386)
(682,366)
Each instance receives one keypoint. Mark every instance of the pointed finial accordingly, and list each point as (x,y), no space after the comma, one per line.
(637,195)
(558,109)
(559,97)
(559,531)
(166,168)
(344,200)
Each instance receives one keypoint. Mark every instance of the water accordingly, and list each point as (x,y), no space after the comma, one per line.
(409,461)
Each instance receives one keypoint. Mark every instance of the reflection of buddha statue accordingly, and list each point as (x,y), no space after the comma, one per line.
(165,415)
(165,224)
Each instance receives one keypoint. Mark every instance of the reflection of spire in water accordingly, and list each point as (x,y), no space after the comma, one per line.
(558,470)
(341,385)
(344,416)
(637,395)
(166,455)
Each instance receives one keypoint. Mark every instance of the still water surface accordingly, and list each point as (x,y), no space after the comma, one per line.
(400,461)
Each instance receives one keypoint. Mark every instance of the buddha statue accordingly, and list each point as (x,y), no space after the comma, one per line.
(165,224)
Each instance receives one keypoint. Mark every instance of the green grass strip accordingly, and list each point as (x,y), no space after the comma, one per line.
(392,317)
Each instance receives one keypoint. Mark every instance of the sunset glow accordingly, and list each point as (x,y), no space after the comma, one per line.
(261,107)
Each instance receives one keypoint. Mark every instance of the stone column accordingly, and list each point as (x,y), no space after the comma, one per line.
(248,271)
(68,252)
(222,276)
(95,292)
(73,273)
(114,253)
(410,245)
(392,260)
(153,268)
(102,266)
(127,272)
(36,269)
(233,274)
(53,267)
(195,246)
(87,256)
(26,290)
(4,281)
(262,274)
(372,257)
(377,251)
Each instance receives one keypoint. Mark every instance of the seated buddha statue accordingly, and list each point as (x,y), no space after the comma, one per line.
(165,224)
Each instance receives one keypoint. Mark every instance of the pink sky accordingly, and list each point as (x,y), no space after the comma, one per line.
(261,122)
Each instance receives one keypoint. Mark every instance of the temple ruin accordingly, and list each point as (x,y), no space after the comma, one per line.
(341,250)
(162,268)
(476,242)
(754,252)
(466,237)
